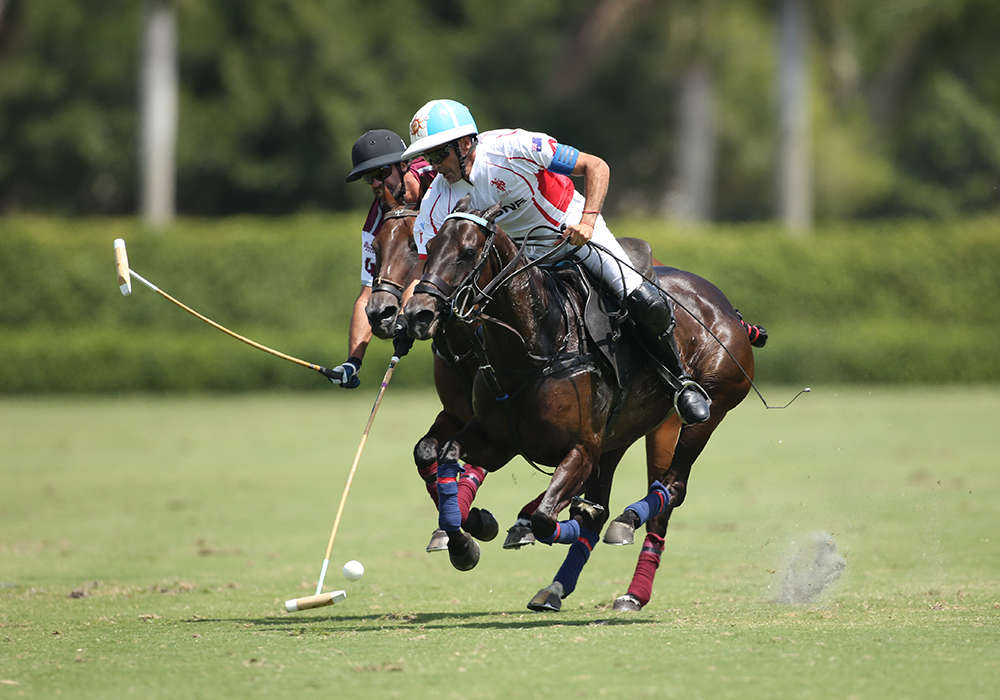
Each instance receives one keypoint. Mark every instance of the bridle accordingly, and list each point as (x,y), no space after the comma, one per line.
(462,298)
(384,284)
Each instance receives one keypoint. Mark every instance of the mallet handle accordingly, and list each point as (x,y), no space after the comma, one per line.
(354,468)
(252,343)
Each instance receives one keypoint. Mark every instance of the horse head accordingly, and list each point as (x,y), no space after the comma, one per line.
(458,261)
(397,264)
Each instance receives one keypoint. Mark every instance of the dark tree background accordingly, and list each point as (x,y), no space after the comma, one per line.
(903,100)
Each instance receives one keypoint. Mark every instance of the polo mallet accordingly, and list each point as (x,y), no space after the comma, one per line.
(125,273)
(319,599)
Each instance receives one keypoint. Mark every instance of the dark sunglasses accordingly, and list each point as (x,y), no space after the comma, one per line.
(437,155)
(380,174)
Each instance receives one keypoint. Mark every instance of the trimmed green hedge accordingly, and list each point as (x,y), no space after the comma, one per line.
(900,302)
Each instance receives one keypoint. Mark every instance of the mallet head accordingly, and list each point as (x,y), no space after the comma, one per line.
(121,263)
(315,601)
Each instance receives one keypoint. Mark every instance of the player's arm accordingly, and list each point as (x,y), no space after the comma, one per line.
(358,336)
(566,160)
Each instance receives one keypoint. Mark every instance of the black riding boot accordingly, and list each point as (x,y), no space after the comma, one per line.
(655,319)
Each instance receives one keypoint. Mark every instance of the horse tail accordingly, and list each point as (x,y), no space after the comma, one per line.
(756,334)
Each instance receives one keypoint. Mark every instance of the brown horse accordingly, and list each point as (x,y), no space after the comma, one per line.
(398,265)
(541,392)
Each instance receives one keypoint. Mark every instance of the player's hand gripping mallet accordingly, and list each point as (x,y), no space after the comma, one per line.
(125,274)
(319,599)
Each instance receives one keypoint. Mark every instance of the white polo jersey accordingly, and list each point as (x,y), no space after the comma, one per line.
(512,169)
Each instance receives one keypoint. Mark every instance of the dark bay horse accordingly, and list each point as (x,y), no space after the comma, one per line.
(541,393)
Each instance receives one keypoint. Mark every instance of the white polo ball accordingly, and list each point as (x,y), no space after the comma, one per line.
(353,570)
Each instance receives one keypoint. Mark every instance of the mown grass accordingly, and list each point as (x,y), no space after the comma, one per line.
(146,545)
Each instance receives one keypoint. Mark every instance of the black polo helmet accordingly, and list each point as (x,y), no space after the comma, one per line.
(374,149)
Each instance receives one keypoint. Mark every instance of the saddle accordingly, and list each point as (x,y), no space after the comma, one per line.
(603,319)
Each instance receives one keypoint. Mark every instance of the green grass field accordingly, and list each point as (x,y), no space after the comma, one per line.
(146,546)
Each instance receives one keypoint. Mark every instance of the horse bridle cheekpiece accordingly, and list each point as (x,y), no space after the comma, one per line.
(384,284)
(464,296)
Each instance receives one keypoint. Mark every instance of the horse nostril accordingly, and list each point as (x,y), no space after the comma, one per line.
(388,313)
(424,317)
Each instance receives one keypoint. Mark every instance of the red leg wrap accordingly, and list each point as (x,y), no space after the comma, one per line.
(645,569)
(468,485)
(429,475)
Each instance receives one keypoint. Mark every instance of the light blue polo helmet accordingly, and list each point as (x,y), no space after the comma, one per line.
(439,122)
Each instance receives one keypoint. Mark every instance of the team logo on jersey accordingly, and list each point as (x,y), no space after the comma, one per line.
(536,143)
(499,184)
(513,206)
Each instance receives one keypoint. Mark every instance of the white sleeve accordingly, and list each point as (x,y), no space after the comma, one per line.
(434,207)
(423,231)
(532,145)
(367,258)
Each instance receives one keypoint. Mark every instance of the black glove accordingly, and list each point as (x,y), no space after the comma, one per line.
(345,375)
(401,340)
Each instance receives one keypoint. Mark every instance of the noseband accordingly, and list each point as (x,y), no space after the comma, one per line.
(384,284)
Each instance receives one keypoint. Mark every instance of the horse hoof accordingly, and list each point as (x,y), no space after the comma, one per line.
(439,541)
(621,531)
(619,534)
(481,524)
(542,526)
(519,535)
(627,603)
(463,551)
(549,599)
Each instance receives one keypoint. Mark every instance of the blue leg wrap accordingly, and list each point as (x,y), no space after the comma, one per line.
(579,553)
(566,532)
(653,504)
(449,514)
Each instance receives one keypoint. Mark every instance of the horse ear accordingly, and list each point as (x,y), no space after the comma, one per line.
(464,204)
(492,213)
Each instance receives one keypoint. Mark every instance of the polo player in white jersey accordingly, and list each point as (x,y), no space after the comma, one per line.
(526,174)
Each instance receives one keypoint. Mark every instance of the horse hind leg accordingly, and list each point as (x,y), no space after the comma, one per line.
(691,442)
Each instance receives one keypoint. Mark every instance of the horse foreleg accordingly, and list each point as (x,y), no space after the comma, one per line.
(425,452)
(455,494)
(480,523)
(582,532)
(567,481)
(520,534)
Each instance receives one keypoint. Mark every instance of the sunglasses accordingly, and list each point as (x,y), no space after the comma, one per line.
(380,174)
(437,155)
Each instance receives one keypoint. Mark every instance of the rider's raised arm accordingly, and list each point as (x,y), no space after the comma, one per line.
(596,177)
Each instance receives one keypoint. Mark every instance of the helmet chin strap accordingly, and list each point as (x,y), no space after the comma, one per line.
(462,158)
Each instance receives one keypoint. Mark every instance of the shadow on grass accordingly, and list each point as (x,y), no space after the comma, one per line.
(424,621)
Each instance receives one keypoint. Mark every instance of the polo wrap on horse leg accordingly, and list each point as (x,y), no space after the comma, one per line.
(653,504)
(654,317)
(566,532)
(576,558)
(429,475)
(641,587)
(449,514)
(468,484)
